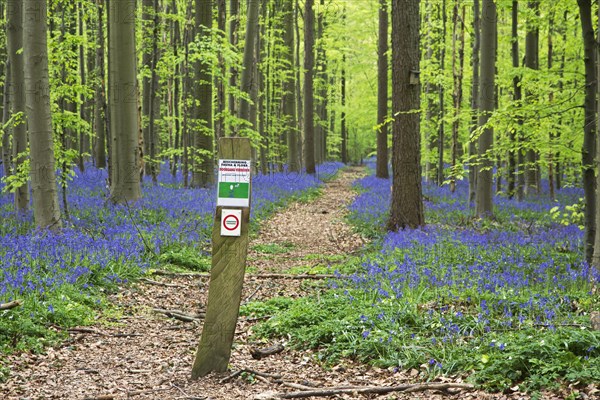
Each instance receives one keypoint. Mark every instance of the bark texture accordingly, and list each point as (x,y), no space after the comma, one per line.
(406,209)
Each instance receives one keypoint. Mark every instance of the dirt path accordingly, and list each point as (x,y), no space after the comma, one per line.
(140,354)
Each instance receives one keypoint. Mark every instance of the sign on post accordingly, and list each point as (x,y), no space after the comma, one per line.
(231,222)
(229,251)
(234,183)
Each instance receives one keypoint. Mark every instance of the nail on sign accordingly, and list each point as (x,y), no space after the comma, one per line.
(231,222)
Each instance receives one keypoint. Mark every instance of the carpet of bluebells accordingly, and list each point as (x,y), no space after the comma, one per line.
(60,276)
(506,301)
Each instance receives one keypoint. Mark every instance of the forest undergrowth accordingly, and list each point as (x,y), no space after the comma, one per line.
(61,279)
(504,303)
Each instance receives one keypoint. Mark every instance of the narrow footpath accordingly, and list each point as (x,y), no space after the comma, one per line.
(140,352)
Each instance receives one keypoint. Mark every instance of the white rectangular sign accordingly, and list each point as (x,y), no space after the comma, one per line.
(231,222)
(233,188)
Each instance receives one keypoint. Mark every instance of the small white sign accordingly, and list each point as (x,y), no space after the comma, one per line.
(231,222)
(233,188)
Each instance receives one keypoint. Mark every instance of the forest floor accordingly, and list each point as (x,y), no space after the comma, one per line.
(138,353)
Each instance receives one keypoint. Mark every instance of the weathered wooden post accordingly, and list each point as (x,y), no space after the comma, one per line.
(229,250)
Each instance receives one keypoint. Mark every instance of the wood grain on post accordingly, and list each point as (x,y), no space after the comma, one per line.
(226,280)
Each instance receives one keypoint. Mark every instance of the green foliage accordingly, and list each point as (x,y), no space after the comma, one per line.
(273,248)
(572,214)
(185,256)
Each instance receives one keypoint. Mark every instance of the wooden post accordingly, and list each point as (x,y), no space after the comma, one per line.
(226,279)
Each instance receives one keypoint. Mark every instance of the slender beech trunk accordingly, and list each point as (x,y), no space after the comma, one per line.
(234,23)
(84,139)
(474,101)
(248,72)
(153,98)
(299,100)
(289,90)
(532,62)
(516,183)
(588,152)
(176,88)
(551,100)
(309,63)
(46,211)
(458,59)
(381,170)
(219,81)
(344,131)
(441,94)
(100,95)
(596,251)
(6,148)
(14,35)
(125,183)
(484,193)
(203,171)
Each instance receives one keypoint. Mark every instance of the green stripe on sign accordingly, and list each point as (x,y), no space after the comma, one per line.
(232,190)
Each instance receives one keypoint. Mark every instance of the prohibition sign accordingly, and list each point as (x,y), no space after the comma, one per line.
(231,222)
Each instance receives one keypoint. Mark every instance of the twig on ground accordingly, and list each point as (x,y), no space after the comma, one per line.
(252,295)
(10,304)
(185,395)
(179,315)
(157,283)
(249,371)
(85,330)
(257,354)
(161,272)
(327,392)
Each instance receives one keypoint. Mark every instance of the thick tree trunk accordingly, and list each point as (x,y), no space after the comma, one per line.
(588,151)
(381,170)
(46,211)
(406,210)
(153,106)
(203,171)
(309,63)
(14,38)
(124,124)
(484,193)
(474,101)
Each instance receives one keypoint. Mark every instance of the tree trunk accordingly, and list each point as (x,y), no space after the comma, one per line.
(588,151)
(6,148)
(203,171)
(309,62)
(381,170)
(532,61)
(124,124)
(596,250)
(234,22)
(474,102)
(84,138)
(551,100)
(441,94)
(344,131)
(299,100)
(100,96)
(152,99)
(516,178)
(484,193)
(289,90)
(247,73)
(220,80)
(176,89)
(147,13)
(406,210)
(14,33)
(46,211)
(458,59)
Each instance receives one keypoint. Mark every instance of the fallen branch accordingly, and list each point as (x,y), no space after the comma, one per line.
(249,371)
(161,272)
(157,283)
(257,354)
(85,330)
(11,304)
(292,276)
(327,392)
(179,315)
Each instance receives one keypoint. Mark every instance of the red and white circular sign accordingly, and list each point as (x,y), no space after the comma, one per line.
(231,222)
